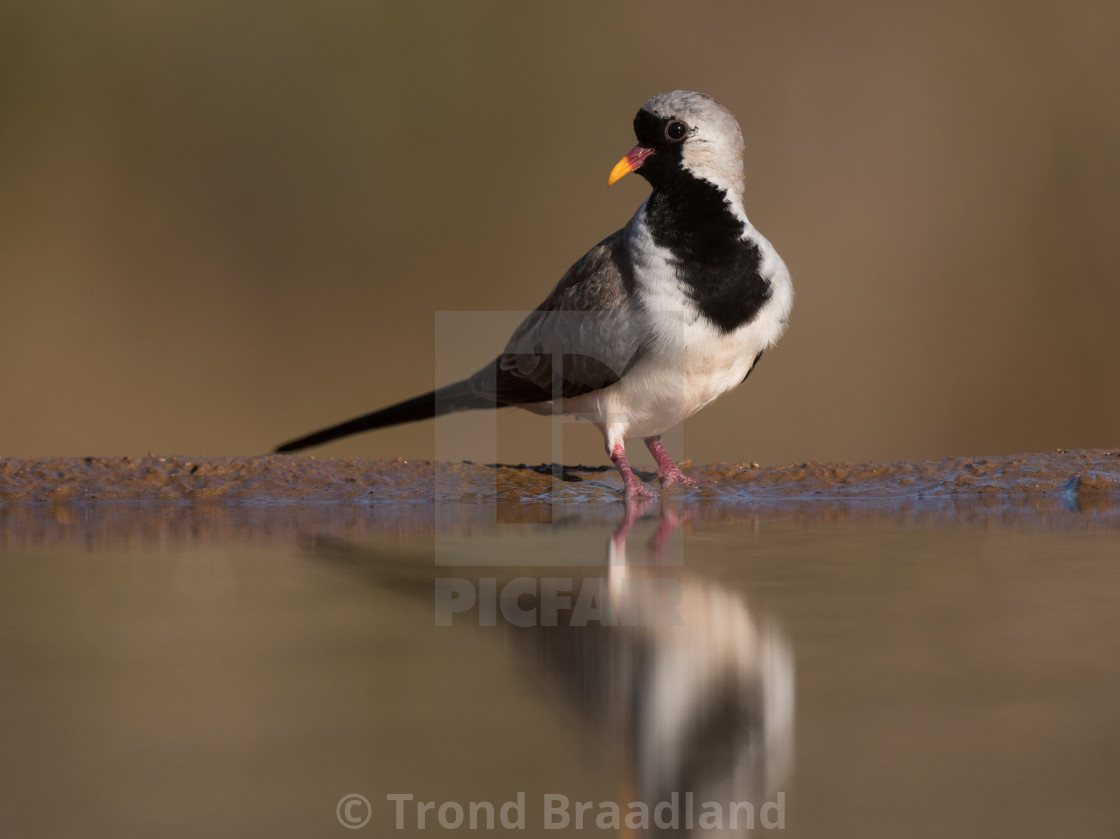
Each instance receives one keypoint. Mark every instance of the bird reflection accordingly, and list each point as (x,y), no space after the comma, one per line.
(698,701)
(691,692)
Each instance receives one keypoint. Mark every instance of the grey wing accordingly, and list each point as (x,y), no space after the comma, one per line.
(583,337)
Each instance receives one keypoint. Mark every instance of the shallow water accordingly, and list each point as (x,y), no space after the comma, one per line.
(836,669)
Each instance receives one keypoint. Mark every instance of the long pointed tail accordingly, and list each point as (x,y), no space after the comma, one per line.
(457,397)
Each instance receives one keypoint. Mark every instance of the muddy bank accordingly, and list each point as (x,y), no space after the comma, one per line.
(300,479)
(278,499)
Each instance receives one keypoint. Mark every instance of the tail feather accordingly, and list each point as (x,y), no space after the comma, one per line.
(457,397)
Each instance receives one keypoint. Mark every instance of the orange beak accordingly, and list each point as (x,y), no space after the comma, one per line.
(633,160)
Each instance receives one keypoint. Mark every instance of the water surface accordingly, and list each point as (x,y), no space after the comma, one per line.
(877,669)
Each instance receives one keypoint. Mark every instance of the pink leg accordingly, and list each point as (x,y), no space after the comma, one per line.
(632,486)
(666,469)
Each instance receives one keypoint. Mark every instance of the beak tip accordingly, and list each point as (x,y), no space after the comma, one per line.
(633,160)
(623,167)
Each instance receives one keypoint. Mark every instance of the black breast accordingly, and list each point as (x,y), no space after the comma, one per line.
(719,269)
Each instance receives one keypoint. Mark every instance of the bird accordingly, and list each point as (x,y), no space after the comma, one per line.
(653,323)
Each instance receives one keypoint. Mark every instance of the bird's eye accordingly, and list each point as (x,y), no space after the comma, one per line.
(675,131)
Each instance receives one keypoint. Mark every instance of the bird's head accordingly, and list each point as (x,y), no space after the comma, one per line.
(684,134)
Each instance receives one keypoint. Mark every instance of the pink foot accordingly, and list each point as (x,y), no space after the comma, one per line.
(677,477)
(669,473)
(632,487)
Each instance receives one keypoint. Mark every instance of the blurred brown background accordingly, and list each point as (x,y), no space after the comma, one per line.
(223,225)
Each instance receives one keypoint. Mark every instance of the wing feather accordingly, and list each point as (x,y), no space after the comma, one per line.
(582,338)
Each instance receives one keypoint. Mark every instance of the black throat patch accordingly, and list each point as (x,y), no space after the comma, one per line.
(720,271)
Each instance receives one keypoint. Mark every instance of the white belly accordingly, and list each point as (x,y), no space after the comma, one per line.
(663,390)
